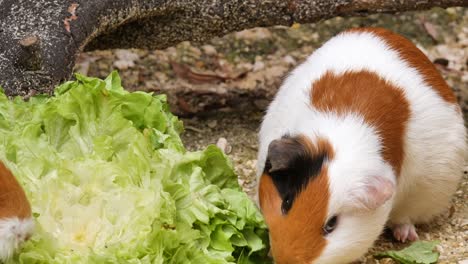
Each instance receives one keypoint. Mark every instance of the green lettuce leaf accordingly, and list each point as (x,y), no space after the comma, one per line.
(420,252)
(110,181)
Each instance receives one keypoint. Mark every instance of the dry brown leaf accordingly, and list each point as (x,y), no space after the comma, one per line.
(72,10)
(183,105)
(185,72)
(431,30)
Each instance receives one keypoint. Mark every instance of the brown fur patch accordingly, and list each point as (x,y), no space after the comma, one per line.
(297,236)
(382,105)
(13,201)
(321,146)
(416,59)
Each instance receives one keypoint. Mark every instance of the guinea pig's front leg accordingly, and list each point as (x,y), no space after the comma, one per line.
(404,232)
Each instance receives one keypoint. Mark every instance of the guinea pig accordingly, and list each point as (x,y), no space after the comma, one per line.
(16,223)
(364,134)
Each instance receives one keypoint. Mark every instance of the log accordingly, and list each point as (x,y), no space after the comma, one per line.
(40,39)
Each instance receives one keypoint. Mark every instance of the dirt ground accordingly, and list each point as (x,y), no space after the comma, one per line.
(253,63)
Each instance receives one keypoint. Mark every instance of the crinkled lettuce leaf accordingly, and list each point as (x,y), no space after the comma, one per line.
(110,181)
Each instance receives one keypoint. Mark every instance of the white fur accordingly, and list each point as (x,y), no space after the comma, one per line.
(434,150)
(13,232)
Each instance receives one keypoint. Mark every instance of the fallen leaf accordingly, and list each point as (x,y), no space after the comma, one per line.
(420,252)
(431,30)
(72,11)
(183,105)
(185,72)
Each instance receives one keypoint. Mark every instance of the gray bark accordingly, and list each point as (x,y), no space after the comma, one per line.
(40,39)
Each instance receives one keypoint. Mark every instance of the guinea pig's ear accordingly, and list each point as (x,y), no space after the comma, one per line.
(372,193)
(282,153)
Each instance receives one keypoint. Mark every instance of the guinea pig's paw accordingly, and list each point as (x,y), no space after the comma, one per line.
(13,232)
(404,232)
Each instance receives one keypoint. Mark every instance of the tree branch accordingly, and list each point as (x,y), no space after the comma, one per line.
(40,40)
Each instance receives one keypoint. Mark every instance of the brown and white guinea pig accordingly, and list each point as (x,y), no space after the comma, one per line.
(16,223)
(364,133)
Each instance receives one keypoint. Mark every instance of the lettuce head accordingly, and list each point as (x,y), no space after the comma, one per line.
(110,181)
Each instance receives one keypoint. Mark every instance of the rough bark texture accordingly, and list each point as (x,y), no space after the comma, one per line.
(40,40)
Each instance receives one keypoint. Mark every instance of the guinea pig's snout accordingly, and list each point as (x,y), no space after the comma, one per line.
(23,237)
(293,197)
(297,236)
(21,230)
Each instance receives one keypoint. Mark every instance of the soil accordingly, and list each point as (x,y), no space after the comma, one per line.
(253,62)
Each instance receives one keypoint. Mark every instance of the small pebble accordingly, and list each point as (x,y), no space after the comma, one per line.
(124,64)
(241,181)
(261,103)
(289,60)
(224,145)
(212,123)
(440,249)
(387,261)
(258,65)
(209,50)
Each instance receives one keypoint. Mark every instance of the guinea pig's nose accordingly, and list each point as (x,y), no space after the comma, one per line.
(27,237)
(23,238)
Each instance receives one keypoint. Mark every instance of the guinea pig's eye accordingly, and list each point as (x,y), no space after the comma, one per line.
(330,225)
(287,204)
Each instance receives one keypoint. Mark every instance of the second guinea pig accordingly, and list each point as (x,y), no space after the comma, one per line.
(16,223)
(365,133)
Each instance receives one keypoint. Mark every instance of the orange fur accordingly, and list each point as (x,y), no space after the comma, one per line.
(13,201)
(299,233)
(382,105)
(416,59)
